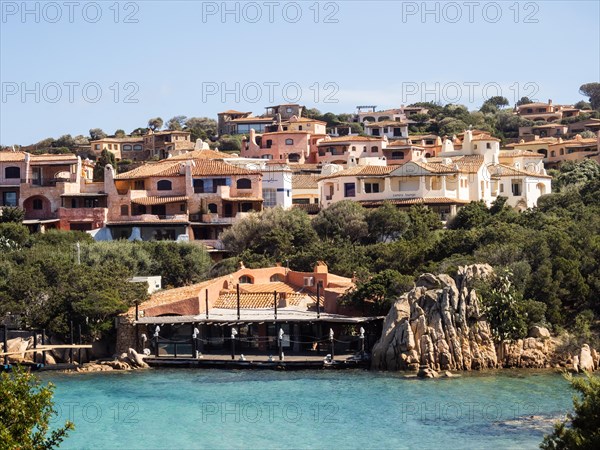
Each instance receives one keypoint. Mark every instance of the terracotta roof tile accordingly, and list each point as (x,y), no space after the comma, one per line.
(208,167)
(201,154)
(349,139)
(9,156)
(161,169)
(416,201)
(304,181)
(361,171)
(255,300)
(502,170)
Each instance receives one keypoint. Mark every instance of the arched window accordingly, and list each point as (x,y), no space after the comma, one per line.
(37,203)
(12,172)
(354,148)
(126,147)
(212,208)
(397,155)
(164,185)
(289,142)
(244,183)
(245,279)
(294,157)
(277,277)
(137,147)
(553,153)
(373,149)
(562,151)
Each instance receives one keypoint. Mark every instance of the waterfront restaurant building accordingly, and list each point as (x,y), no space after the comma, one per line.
(258,304)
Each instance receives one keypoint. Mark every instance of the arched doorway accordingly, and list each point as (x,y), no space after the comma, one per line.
(37,207)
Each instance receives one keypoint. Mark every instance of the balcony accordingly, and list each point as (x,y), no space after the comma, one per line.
(151,218)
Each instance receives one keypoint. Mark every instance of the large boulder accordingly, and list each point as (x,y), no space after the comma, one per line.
(586,362)
(539,332)
(438,325)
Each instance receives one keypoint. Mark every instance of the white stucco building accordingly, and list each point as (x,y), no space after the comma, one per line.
(458,176)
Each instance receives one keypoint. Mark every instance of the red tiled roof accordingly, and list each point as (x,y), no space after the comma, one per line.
(208,167)
(201,154)
(416,201)
(361,171)
(255,300)
(304,181)
(162,169)
(10,156)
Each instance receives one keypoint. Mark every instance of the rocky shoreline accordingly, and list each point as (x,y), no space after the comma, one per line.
(439,326)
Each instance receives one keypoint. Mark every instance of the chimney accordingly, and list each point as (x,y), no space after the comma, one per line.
(282,303)
(550,102)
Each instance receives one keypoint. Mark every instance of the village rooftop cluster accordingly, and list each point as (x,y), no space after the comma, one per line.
(183,190)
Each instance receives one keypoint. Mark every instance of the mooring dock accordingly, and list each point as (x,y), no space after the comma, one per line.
(295,362)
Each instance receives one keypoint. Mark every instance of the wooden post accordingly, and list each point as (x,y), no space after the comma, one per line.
(238,301)
(194,337)
(233,333)
(35,354)
(72,340)
(206,302)
(275,303)
(79,342)
(156,343)
(332,343)
(280,343)
(318,299)
(5,341)
(43,343)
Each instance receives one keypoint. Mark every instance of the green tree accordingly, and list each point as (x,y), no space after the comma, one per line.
(97,133)
(577,172)
(386,223)
(345,220)
(203,128)
(376,294)
(494,104)
(470,216)
(591,90)
(176,123)
(155,123)
(120,133)
(11,214)
(524,101)
(581,430)
(503,309)
(106,157)
(26,409)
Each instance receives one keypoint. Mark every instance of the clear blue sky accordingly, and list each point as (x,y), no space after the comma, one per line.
(377,53)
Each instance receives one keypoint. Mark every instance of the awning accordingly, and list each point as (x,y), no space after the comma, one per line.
(148,201)
(222,316)
(37,221)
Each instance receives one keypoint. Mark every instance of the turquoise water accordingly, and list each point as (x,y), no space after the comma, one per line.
(347,409)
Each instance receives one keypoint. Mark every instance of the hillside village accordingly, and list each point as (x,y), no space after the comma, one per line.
(175,188)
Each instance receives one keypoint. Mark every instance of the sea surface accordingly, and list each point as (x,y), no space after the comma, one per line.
(191,408)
